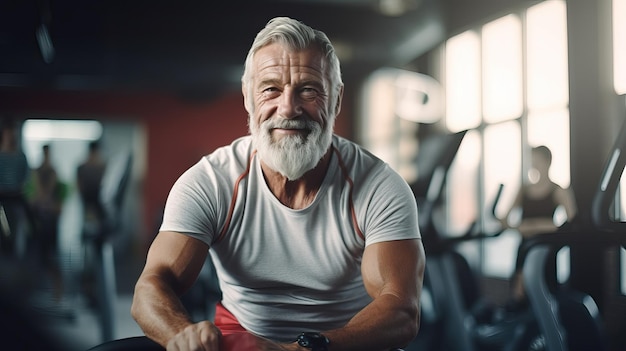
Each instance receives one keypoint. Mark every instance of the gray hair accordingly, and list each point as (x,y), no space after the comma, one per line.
(296,36)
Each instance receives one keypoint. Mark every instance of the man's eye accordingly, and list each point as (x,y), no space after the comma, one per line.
(270,92)
(309,93)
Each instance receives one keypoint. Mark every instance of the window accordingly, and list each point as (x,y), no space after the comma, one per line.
(508,80)
(546,54)
(462,83)
(502,69)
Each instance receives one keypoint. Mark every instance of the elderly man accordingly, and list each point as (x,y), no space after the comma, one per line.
(315,240)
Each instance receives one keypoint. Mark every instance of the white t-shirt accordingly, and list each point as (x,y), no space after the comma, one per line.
(283,271)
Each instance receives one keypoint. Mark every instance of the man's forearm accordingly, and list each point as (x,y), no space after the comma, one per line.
(158,310)
(385,323)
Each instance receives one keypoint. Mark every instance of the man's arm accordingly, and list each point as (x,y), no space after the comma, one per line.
(172,266)
(393,274)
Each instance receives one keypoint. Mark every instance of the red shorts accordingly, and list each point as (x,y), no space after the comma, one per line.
(234,336)
(226,322)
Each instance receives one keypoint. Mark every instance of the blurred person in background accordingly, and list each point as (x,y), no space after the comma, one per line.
(89,176)
(536,206)
(46,201)
(14,172)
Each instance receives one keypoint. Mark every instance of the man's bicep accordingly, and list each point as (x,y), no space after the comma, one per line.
(394,267)
(176,258)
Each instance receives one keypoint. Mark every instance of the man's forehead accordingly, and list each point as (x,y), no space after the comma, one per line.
(276,57)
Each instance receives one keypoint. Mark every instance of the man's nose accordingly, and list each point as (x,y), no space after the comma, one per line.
(290,106)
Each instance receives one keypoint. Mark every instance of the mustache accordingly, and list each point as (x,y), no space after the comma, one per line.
(282,123)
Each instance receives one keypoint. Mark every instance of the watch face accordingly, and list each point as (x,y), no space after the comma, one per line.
(313,341)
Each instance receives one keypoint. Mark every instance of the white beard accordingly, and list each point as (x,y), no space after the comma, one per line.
(292,155)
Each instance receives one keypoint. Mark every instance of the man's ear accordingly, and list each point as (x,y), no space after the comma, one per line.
(338,103)
(244,92)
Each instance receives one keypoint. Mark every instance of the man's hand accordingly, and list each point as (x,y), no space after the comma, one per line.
(202,336)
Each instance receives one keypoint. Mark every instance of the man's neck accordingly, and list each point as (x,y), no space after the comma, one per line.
(299,193)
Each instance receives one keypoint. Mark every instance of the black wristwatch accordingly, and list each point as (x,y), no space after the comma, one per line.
(313,341)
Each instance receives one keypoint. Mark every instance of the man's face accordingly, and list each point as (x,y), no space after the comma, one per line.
(292,118)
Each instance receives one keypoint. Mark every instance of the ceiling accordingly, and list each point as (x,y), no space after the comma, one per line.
(191,47)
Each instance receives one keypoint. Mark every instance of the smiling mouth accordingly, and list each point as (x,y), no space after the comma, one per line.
(287,128)
(289,131)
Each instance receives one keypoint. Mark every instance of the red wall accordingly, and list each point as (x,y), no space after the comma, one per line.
(178,131)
